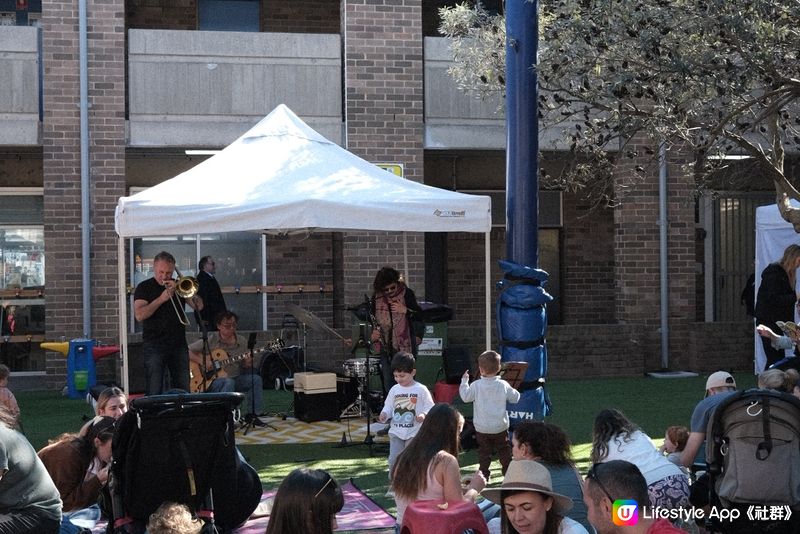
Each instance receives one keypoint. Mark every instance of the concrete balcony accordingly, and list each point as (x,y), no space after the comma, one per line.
(19,86)
(204,89)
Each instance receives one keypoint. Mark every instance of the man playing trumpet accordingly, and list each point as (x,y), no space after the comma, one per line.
(161,311)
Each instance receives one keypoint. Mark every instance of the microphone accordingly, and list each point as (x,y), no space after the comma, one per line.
(251,341)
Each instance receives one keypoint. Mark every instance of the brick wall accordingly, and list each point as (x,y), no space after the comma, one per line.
(587,266)
(384,122)
(300,16)
(161,15)
(62,170)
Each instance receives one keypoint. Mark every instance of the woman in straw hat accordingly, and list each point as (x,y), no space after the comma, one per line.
(528,503)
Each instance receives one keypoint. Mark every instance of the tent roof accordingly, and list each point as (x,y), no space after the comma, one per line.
(283,176)
(770,217)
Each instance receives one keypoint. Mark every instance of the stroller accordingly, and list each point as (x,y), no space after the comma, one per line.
(753,457)
(180,448)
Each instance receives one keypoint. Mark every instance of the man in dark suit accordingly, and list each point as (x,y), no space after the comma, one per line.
(209,291)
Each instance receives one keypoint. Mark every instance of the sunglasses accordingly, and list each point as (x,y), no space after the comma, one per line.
(390,288)
(592,475)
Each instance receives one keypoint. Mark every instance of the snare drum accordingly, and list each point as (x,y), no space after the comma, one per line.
(358,367)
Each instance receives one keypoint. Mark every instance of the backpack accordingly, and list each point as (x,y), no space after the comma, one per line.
(753,449)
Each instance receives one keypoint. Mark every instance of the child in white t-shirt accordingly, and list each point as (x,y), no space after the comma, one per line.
(406,405)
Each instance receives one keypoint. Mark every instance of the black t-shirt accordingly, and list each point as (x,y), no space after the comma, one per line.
(163,327)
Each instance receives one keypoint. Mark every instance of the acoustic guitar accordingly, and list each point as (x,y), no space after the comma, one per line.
(219,358)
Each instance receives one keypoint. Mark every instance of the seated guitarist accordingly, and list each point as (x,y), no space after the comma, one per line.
(237,376)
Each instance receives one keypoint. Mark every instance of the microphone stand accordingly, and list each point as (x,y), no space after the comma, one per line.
(251,419)
(206,351)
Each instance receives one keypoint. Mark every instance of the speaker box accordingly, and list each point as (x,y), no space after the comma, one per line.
(456,361)
(346,391)
(316,407)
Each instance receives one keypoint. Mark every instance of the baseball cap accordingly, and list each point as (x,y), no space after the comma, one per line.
(720,379)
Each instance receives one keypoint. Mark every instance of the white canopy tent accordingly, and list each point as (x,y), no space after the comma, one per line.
(282,176)
(773,235)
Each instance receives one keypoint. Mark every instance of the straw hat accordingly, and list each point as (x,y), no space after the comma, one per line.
(528,475)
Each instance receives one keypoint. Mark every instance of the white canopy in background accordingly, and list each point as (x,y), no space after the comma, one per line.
(282,176)
(773,235)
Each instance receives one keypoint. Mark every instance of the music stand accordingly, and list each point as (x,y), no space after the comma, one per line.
(251,419)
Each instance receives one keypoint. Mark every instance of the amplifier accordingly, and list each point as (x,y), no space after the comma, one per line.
(316,407)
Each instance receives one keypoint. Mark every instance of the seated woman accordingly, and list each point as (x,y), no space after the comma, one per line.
(529,504)
(112,402)
(306,501)
(427,469)
(549,445)
(79,465)
(615,437)
(29,501)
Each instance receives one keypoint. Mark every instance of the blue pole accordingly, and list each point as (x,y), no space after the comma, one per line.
(522,304)
(522,143)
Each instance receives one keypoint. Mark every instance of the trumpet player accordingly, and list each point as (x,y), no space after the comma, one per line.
(158,303)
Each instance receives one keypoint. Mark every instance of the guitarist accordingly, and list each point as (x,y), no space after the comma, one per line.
(238,376)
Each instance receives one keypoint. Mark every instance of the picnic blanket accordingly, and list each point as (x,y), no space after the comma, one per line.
(359,514)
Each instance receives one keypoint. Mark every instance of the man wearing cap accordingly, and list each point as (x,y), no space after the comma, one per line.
(620,480)
(719,386)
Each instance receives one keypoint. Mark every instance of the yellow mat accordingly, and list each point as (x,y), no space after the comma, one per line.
(292,430)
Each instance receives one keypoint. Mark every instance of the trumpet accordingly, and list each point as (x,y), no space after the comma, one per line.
(185,287)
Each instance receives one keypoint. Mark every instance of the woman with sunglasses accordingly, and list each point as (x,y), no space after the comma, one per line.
(395,309)
(615,437)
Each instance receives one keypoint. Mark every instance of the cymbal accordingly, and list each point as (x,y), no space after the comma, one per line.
(311,320)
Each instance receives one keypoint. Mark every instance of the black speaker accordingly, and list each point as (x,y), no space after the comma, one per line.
(316,407)
(456,361)
(346,391)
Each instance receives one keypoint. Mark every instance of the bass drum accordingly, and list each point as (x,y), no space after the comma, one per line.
(277,366)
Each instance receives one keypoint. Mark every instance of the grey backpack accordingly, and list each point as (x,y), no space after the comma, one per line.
(753,449)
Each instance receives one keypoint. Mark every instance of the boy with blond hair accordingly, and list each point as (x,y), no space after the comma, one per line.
(490,394)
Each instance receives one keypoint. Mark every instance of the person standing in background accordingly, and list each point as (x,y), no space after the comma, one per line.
(164,322)
(209,290)
(776,297)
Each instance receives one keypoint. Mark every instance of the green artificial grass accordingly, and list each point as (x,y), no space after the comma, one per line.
(652,403)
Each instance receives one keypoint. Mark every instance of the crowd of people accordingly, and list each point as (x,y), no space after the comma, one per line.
(538,490)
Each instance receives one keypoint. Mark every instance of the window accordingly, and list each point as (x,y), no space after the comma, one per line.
(229,15)
(22,280)
(238,265)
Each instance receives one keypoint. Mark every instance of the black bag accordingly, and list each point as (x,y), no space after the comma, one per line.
(467,437)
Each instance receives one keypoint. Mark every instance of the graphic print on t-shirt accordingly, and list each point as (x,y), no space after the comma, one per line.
(405,410)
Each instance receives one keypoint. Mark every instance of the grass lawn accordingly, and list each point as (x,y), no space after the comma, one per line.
(652,403)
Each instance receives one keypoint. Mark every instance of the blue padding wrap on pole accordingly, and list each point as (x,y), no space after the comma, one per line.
(522,326)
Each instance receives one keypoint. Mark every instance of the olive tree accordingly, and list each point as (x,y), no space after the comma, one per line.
(718,78)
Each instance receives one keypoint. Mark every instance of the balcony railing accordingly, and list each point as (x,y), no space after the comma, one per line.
(19,86)
(193,88)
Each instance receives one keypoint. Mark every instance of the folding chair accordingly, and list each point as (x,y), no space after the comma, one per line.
(180,448)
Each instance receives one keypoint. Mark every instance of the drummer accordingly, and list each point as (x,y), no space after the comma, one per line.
(395,309)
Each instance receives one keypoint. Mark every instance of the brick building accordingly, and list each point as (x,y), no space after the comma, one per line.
(165,77)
